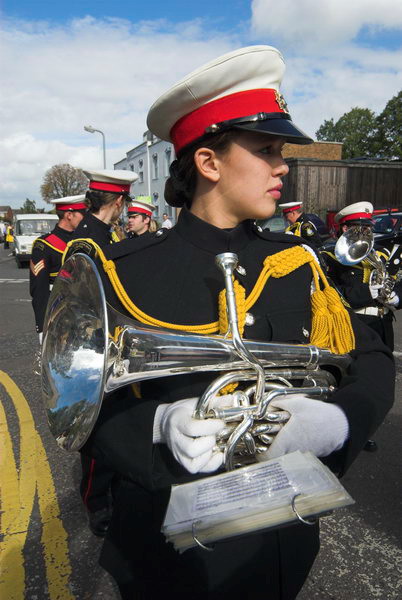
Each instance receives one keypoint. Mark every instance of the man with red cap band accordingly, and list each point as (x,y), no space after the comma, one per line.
(306,225)
(108,192)
(139,213)
(47,253)
(355,282)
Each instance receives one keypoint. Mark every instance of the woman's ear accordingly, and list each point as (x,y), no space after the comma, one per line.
(207,164)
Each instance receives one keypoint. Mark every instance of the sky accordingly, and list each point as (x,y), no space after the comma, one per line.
(64,65)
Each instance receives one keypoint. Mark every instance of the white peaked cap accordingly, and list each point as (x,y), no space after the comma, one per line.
(354,212)
(236,85)
(111,180)
(70,202)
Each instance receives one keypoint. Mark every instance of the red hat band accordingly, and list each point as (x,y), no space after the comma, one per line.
(355,217)
(77,206)
(143,211)
(102,186)
(291,209)
(234,106)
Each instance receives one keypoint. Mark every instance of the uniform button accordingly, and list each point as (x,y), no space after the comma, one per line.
(250,319)
(305,332)
(241,270)
(159,232)
(352,272)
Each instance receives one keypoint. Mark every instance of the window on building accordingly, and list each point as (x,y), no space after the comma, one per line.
(140,176)
(155,166)
(132,166)
(168,160)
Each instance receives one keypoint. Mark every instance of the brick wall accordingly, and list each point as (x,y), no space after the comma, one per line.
(321,150)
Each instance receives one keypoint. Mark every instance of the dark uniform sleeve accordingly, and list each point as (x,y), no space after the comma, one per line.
(349,282)
(365,394)
(39,282)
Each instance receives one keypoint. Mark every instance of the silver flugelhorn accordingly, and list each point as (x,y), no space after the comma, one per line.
(90,349)
(356,245)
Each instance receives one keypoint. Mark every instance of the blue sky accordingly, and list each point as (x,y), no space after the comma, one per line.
(224,15)
(69,64)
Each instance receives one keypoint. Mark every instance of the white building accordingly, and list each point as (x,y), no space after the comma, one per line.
(151,160)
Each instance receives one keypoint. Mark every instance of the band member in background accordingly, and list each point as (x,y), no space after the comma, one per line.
(354,283)
(306,225)
(228,123)
(47,253)
(108,192)
(139,218)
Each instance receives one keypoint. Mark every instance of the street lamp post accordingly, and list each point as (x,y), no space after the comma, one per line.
(91,129)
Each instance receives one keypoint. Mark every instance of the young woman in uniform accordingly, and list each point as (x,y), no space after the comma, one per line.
(228,124)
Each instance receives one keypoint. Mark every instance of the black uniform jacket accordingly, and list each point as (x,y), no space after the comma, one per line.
(349,281)
(47,253)
(171,275)
(95,229)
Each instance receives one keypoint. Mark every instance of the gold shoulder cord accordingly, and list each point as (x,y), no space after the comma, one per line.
(331,325)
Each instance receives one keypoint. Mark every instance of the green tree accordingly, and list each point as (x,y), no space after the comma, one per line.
(29,206)
(63,180)
(357,131)
(328,132)
(389,129)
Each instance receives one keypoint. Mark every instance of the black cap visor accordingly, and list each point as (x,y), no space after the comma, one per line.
(281,126)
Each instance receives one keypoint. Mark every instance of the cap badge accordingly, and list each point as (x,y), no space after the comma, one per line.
(281,102)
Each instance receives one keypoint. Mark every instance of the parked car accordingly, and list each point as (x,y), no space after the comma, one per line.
(387,228)
(27,227)
(275,223)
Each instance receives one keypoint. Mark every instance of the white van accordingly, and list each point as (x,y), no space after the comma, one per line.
(26,229)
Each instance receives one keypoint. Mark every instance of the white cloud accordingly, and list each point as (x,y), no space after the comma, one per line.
(321,24)
(328,72)
(106,73)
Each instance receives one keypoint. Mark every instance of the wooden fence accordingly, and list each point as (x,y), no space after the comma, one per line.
(331,185)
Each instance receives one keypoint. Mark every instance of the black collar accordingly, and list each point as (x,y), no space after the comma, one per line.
(210,238)
(63,234)
(97,222)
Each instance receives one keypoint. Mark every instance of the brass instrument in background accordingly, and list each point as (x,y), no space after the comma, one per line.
(356,245)
(90,349)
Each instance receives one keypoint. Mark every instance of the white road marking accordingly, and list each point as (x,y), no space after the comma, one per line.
(13,280)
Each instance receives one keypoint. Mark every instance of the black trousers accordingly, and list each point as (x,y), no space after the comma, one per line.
(382,325)
(96,484)
(271,565)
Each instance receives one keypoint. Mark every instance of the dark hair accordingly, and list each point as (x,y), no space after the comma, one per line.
(95,199)
(182,181)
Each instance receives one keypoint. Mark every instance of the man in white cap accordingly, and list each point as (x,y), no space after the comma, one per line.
(47,253)
(306,225)
(355,281)
(139,213)
(109,191)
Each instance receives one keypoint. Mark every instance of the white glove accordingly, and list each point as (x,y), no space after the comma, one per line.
(40,337)
(315,426)
(393,300)
(374,290)
(192,441)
